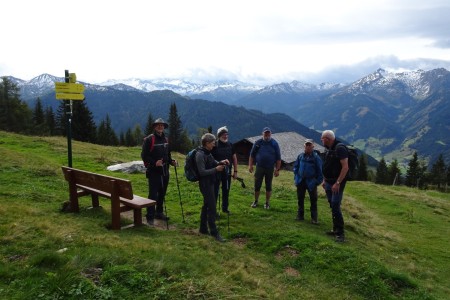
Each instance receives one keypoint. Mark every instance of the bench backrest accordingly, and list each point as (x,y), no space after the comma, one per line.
(99,182)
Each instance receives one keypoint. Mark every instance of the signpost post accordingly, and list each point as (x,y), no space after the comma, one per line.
(68,91)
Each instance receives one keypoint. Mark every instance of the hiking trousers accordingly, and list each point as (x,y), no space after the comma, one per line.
(157,185)
(208,212)
(301,191)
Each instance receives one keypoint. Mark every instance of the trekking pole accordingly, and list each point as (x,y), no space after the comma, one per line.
(228,221)
(241,181)
(164,202)
(179,194)
(218,213)
(228,189)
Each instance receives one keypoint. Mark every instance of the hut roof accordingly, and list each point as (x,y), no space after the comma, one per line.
(291,144)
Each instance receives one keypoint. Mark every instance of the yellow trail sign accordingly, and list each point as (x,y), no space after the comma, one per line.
(75,88)
(69,96)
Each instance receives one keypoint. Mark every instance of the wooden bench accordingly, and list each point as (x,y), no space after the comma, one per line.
(82,183)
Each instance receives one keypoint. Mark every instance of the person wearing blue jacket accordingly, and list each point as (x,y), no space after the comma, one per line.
(307,176)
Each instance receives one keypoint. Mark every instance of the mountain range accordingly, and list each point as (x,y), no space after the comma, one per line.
(388,115)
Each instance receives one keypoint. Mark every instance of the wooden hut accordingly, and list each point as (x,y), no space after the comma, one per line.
(291,145)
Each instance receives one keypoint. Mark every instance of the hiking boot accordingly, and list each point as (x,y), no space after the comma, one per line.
(300,218)
(331,232)
(254,204)
(314,222)
(226,211)
(219,238)
(340,239)
(204,231)
(150,222)
(162,216)
(267,206)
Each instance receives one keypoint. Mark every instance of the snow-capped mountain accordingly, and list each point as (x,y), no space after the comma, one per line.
(182,87)
(382,113)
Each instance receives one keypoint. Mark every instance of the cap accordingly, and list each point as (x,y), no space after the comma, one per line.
(309,141)
(160,121)
(221,131)
(265,129)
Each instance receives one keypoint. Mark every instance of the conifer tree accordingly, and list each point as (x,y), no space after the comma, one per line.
(415,172)
(129,139)
(138,135)
(50,120)
(15,115)
(39,121)
(106,134)
(394,173)
(382,174)
(149,125)
(83,126)
(175,129)
(438,172)
(362,170)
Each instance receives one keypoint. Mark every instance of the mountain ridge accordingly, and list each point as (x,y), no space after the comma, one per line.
(386,114)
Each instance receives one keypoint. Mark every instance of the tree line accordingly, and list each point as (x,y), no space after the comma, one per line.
(16,116)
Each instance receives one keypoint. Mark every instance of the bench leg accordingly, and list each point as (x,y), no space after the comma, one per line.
(137,215)
(115,206)
(73,194)
(95,202)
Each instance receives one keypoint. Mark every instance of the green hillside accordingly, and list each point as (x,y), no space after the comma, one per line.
(397,248)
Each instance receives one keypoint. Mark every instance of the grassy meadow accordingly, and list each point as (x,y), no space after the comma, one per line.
(397,238)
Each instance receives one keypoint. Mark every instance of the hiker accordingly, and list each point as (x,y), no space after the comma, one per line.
(266,153)
(208,168)
(335,168)
(224,150)
(307,176)
(157,157)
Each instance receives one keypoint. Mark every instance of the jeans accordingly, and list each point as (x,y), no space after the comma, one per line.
(335,204)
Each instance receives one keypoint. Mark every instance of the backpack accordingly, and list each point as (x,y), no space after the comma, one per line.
(190,166)
(152,145)
(353,161)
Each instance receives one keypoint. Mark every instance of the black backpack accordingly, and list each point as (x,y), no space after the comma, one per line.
(190,166)
(353,161)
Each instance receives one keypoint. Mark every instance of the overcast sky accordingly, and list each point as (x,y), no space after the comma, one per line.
(255,41)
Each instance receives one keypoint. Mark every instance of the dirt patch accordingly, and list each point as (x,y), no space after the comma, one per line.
(240,242)
(287,251)
(291,272)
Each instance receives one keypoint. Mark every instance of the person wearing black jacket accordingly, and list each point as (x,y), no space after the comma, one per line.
(224,150)
(208,168)
(335,169)
(157,158)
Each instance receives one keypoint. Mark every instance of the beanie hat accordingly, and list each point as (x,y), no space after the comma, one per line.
(221,131)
